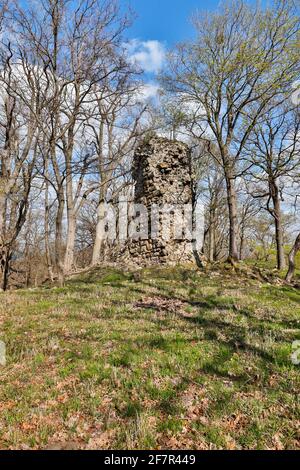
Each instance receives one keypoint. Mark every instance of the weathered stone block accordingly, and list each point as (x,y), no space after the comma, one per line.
(163,176)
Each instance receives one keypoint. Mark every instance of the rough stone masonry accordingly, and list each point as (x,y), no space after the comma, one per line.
(163,177)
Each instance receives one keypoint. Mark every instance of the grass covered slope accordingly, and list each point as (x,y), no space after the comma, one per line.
(167,358)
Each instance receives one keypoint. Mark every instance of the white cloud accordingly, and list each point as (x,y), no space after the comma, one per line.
(148,91)
(149,55)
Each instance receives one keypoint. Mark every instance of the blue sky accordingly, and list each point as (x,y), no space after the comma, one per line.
(166,20)
(159,24)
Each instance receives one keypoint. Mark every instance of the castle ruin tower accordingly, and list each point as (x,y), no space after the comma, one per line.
(163,185)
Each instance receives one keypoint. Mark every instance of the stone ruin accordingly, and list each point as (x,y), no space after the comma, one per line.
(163,176)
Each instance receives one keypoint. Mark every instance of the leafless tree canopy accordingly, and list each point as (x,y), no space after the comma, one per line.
(71,114)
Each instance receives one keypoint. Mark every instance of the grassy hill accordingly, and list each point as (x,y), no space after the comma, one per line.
(164,358)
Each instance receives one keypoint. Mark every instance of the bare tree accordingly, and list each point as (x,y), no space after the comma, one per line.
(115,124)
(248,209)
(20,108)
(243,59)
(274,150)
(77,47)
(292,257)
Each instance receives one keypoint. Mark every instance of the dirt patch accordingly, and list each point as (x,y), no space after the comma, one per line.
(164,306)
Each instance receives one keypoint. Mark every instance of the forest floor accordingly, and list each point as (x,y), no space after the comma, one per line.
(160,359)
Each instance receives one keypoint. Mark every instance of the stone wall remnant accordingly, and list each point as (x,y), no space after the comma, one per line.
(163,184)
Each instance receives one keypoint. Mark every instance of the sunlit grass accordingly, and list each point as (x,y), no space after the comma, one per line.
(164,358)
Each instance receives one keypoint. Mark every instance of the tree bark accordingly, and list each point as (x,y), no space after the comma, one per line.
(232,212)
(70,245)
(278,225)
(68,145)
(104,176)
(291,271)
(212,236)
(242,243)
(46,226)
(2,212)
(99,234)
(5,273)
(59,237)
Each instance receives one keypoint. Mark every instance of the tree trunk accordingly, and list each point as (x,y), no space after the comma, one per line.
(242,243)
(59,238)
(290,274)
(5,260)
(71,213)
(70,246)
(211,237)
(2,249)
(232,212)
(2,213)
(99,234)
(46,227)
(96,257)
(278,225)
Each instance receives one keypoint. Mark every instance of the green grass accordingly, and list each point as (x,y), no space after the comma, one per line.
(167,358)
(271,263)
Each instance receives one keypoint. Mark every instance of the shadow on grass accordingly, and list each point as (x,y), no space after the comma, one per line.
(224,333)
(235,335)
